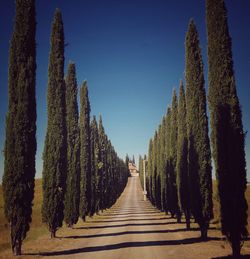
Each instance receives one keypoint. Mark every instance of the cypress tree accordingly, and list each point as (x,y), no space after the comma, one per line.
(158,168)
(102,163)
(150,148)
(199,157)
(154,169)
(72,195)
(226,127)
(173,197)
(55,148)
(167,158)
(106,183)
(95,167)
(20,142)
(85,154)
(146,173)
(182,158)
(109,199)
(163,163)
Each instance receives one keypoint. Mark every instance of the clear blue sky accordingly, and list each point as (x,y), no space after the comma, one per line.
(132,54)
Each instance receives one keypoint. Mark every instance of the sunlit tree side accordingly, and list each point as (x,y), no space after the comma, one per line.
(72,195)
(85,153)
(55,148)
(199,155)
(173,197)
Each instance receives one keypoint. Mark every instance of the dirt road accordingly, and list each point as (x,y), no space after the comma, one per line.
(132,228)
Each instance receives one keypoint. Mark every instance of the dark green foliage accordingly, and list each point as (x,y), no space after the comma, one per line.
(55,148)
(72,195)
(150,175)
(173,197)
(227,130)
(102,164)
(167,157)
(110,173)
(156,170)
(20,142)
(95,168)
(182,158)
(156,174)
(85,156)
(111,169)
(198,142)
(162,163)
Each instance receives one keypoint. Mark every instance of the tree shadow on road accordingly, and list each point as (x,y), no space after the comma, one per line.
(131,213)
(124,245)
(127,225)
(132,233)
(129,219)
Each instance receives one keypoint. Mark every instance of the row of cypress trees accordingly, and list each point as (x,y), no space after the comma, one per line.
(179,157)
(179,176)
(82,173)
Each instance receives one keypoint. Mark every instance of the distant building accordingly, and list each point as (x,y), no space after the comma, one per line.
(133,169)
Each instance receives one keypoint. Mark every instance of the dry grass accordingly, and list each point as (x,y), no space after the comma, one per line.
(36,229)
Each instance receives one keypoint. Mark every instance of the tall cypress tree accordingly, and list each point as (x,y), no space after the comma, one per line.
(173,196)
(102,163)
(85,156)
(154,169)
(55,148)
(109,200)
(182,158)
(167,158)
(158,169)
(198,142)
(163,163)
(72,195)
(20,142)
(150,176)
(227,130)
(95,167)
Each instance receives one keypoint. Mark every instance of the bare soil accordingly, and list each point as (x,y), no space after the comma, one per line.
(132,228)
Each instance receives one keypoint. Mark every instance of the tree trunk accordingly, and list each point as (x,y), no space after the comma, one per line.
(178,218)
(17,247)
(52,234)
(187,216)
(203,233)
(236,248)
